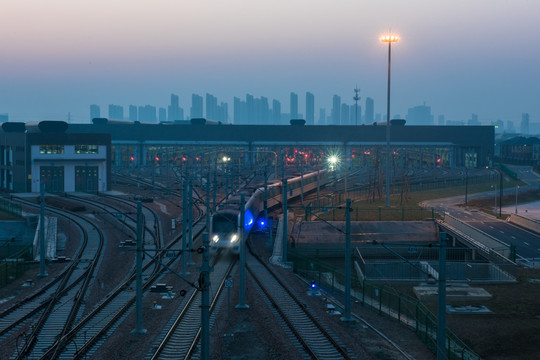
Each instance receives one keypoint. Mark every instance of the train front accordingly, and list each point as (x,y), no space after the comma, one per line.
(224,231)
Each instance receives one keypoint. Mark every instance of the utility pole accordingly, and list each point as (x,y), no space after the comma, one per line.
(139,330)
(215,187)
(184,226)
(242,293)
(208,201)
(190,222)
(266,198)
(347,316)
(204,284)
(42,248)
(441,306)
(285,220)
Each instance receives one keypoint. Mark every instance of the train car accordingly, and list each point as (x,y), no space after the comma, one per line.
(225,222)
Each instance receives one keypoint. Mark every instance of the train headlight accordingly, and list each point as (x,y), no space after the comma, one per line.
(215,238)
(234,238)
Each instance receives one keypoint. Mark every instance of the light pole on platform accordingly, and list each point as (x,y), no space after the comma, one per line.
(388,39)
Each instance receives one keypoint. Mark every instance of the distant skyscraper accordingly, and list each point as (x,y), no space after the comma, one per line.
(223,112)
(5,118)
(473,120)
(370,111)
(310,109)
(196,106)
(322,117)
(525,123)
(419,115)
(263,111)
(345,114)
(95,111)
(174,110)
(440,120)
(510,126)
(276,112)
(162,114)
(133,115)
(116,112)
(336,110)
(355,114)
(499,126)
(147,113)
(240,111)
(211,107)
(294,106)
(250,108)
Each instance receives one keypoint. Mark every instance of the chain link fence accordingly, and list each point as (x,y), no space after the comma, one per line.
(15,261)
(10,207)
(386,300)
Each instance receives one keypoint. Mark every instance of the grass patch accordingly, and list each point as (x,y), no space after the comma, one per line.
(405,207)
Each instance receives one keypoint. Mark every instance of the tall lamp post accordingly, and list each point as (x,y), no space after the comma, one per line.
(388,39)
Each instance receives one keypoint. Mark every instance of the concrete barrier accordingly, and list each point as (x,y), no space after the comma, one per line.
(529,224)
(477,238)
(51,232)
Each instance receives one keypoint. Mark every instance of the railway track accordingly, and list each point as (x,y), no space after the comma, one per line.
(180,338)
(307,332)
(60,302)
(84,339)
(59,308)
(89,330)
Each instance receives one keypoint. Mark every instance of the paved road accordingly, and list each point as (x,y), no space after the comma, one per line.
(527,243)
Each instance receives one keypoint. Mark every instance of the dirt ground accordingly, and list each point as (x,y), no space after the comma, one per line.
(512,330)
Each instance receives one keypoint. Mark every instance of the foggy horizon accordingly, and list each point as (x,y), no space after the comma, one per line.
(459,58)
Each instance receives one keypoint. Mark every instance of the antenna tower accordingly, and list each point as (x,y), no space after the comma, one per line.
(356,98)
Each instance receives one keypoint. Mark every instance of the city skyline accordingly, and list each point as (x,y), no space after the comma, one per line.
(258,111)
(459,58)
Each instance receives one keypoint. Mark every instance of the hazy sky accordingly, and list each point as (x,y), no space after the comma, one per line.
(459,57)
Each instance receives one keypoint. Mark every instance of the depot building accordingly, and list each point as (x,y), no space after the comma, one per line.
(32,154)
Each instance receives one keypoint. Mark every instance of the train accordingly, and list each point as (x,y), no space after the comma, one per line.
(225,222)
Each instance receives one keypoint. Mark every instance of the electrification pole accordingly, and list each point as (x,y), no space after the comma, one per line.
(139,330)
(204,284)
(285,220)
(42,248)
(347,316)
(242,289)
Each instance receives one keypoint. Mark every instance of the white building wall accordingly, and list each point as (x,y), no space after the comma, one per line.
(69,160)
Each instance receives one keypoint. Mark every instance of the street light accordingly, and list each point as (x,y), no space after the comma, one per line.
(517,189)
(494,199)
(333,160)
(388,39)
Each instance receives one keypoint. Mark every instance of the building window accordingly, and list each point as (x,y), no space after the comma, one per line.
(51,149)
(86,149)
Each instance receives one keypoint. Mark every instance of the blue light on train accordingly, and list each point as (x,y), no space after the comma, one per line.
(262,223)
(248,220)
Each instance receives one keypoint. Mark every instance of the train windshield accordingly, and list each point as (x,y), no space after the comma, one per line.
(224,224)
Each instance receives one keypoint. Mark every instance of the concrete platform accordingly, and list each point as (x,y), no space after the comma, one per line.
(363,232)
(81,194)
(467,309)
(453,293)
